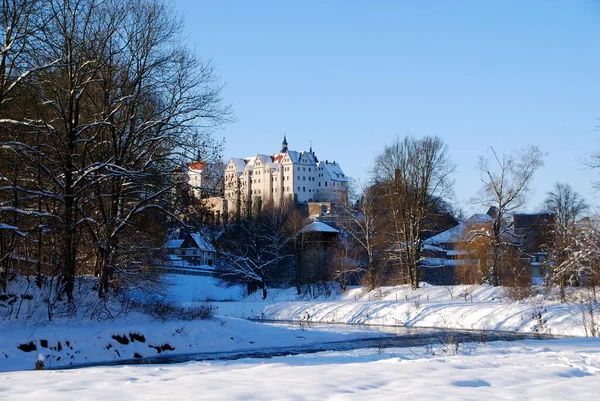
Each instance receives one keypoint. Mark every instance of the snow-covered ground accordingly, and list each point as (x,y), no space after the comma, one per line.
(66,342)
(65,345)
(459,307)
(530,370)
(189,288)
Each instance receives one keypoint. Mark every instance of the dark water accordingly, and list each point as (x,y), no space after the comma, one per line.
(391,336)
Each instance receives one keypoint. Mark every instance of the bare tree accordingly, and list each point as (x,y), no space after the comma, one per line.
(252,249)
(359,222)
(567,205)
(415,175)
(109,103)
(506,182)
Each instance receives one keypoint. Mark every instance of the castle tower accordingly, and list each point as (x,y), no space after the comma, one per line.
(284,145)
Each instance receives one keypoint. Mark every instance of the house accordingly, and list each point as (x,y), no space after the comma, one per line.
(458,246)
(194,249)
(288,176)
(318,235)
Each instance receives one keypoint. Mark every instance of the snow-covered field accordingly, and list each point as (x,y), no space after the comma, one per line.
(532,370)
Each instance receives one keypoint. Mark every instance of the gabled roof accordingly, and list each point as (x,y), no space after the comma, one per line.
(333,170)
(264,159)
(319,227)
(238,163)
(479,219)
(202,243)
(310,158)
(294,156)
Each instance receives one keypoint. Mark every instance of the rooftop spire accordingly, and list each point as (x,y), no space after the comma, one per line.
(284,144)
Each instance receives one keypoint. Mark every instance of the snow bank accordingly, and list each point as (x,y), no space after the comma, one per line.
(459,307)
(64,345)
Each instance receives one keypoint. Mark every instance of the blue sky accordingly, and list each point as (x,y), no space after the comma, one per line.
(351,75)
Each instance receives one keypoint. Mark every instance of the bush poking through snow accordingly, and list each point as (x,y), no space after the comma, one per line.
(39,363)
(163,309)
(450,343)
(200,311)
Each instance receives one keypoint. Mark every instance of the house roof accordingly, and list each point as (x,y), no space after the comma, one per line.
(451,235)
(333,170)
(196,165)
(319,227)
(294,156)
(202,243)
(173,243)
(238,163)
(264,159)
(480,218)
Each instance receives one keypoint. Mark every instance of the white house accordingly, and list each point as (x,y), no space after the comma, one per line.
(287,176)
(205,179)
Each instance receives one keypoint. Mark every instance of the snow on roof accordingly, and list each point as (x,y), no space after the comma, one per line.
(334,171)
(264,159)
(250,162)
(451,235)
(202,243)
(436,262)
(430,247)
(456,233)
(318,226)
(173,243)
(294,156)
(309,157)
(238,163)
(277,158)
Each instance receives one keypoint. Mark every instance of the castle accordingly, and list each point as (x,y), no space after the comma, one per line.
(287,176)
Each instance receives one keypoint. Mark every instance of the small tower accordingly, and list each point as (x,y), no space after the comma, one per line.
(284,145)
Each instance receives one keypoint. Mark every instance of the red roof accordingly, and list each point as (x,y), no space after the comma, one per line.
(277,159)
(196,166)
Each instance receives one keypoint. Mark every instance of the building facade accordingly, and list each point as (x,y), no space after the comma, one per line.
(287,176)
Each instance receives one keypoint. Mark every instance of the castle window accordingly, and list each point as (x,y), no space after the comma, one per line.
(325,183)
(303,189)
(298,188)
